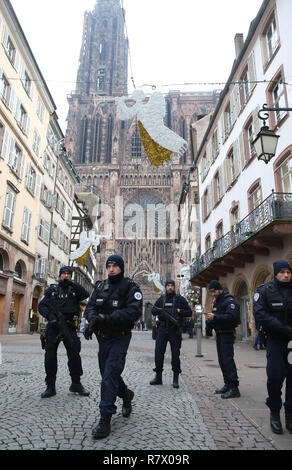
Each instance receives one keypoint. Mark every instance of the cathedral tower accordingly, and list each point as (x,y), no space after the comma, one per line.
(110,158)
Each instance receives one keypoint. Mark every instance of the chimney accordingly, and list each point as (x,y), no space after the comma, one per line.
(238,41)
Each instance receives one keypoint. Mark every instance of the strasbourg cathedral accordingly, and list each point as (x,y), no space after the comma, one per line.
(109,155)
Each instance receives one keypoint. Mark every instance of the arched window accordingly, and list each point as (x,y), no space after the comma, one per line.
(136,145)
(18,270)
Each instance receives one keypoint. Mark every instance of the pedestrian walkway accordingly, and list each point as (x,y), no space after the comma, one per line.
(251,367)
(163,418)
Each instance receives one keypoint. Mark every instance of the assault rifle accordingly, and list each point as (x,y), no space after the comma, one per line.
(64,333)
(170,317)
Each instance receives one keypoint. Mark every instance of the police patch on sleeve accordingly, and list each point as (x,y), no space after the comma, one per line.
(256,297)
(232,306)
(138,295)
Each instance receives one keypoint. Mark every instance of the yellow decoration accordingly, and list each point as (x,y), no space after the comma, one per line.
(80,261)
(155,152)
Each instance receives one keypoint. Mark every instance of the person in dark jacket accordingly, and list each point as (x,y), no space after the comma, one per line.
(60,305)
(272,309)
(170,308)
(224,318)
(114,307)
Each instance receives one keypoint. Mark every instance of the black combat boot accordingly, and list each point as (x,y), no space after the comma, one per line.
(49,392)
(231,393)
(275,422)
(127,403)
(175,380)
(224,389)
(157,379)
(103,428)
(78,388)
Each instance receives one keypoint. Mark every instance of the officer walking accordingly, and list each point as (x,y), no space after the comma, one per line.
(60,304)
(114,307)
(272,309)
(225,317)
(170,308)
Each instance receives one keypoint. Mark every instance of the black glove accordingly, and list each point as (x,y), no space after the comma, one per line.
(102,319)
(66,283)
(89,329)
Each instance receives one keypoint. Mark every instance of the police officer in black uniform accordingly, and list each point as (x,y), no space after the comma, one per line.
(272,309)
(170,308)
(114,307)
(225,317)
(60,306)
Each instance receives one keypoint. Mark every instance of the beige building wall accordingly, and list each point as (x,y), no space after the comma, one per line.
(27,123)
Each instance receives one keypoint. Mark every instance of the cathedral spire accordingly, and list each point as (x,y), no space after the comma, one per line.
(103,64)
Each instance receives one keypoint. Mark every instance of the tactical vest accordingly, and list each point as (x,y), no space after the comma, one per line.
(110,297)
(67,300)
(217,309)
(278,305)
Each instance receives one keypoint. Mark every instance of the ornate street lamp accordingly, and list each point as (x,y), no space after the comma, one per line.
(266,141)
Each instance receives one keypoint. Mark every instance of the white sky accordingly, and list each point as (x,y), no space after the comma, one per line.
(172,42)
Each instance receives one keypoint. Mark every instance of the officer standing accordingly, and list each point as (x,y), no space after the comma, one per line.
(170,308)
(114,307)
(272,309)
(60,304)
(225,317)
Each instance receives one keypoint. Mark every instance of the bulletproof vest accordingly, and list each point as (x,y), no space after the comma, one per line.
(111,297)
(67,300)
(217,308)
(278,305)
(170,305)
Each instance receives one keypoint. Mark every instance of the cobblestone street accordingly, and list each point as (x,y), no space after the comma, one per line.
(190,418)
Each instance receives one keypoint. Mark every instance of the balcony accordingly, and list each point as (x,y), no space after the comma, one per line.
(257,233)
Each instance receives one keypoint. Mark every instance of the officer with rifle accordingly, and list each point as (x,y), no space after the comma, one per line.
(170,308)
(60,305)
(272,310)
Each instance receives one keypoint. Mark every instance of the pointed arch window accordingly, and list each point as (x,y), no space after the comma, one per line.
(136,145)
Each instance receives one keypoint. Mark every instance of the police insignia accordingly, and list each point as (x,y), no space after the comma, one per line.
(256,297)
(232,306)
(138,295)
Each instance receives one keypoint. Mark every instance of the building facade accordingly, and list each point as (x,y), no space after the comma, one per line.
(245,204)
(136,198)
(36,181)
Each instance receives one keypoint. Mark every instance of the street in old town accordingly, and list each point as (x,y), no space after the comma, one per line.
(190,418)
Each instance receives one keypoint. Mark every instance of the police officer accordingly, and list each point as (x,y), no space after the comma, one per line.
(114,307)
(224,318)
(272,309)
(170,308)
(60,304)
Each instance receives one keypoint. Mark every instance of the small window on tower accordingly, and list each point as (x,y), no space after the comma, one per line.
(101,79)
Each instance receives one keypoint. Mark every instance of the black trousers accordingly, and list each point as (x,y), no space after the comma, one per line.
(279,368)
(173,335)
(111,359)
(73,352)
(225,350)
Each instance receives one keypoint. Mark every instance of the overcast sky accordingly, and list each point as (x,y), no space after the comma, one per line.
(172,42)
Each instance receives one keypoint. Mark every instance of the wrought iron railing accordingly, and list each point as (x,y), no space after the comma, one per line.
(277,206)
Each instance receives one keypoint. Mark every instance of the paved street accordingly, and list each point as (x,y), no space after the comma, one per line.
(190,418)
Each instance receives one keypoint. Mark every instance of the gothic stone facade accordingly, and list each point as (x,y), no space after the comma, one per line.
(109,156)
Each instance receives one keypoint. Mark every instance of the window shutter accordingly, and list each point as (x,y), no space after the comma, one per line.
(22,166)
(9,209)
(252,71)
(17,109)
(11,152)
(5,37)
(16,61)
(37,188)
(236,155)
(11,100)
(241,151)
(5,144)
